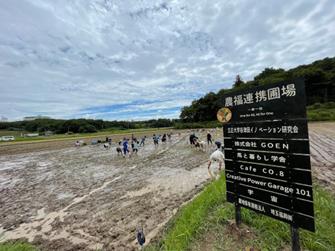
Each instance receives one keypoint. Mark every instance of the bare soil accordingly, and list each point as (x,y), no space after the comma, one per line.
(10,148)
(64,198)
(322,148)
(89,198)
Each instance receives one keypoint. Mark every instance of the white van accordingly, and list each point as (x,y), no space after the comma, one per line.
(7,138)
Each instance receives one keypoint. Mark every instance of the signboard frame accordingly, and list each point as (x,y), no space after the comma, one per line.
(256,123)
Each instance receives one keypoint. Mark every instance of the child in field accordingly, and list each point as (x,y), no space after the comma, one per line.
(156,139)
(135,146)
(125,147)
(143,140)
(118,149)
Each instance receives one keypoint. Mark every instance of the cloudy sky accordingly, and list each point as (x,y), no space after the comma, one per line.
(119,59)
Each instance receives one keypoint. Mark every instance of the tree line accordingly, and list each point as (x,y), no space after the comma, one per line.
(319,78)
(81,125)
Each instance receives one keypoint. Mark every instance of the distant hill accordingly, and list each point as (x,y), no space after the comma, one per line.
(319,78)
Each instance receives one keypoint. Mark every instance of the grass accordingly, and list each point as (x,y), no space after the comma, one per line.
(205,224)
(11,133)
(184,226)
(321,112)
(18,246)
(101,134)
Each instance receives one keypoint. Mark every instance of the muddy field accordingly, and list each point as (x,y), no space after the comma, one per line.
(89,198)
(9,148)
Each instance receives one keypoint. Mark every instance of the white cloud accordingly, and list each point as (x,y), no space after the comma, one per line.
(60,58)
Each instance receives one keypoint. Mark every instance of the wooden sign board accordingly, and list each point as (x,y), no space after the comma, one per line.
(267,152)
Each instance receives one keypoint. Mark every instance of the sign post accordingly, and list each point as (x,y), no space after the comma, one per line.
(267,162)
(295,239)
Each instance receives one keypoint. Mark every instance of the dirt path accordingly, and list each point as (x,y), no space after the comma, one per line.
(88,198)
(322,147)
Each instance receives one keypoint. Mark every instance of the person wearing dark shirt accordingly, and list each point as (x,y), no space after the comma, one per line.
(209,138)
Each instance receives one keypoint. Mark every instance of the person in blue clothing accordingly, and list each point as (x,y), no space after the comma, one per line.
(125,147)
(143,141)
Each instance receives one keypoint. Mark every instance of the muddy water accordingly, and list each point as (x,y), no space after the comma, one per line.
(89,198)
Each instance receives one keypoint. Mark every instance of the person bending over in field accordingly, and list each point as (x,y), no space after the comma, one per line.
(218,144)
(119,149)
(193,139)
(169,136)
(135,146)
(156,139)
(164,138)
(216,156)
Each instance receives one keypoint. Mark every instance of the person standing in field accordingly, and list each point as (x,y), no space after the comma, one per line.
(156,140)
(209,138)
(132,141)
(125,147)
(143,141)
(216,156)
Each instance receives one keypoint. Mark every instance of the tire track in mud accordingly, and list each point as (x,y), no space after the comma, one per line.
(322,146)
(42,225)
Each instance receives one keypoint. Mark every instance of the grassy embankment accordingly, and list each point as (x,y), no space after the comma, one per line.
(321,112)
(206,223)
(19,246)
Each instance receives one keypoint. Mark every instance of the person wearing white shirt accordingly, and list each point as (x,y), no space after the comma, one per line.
(216,156)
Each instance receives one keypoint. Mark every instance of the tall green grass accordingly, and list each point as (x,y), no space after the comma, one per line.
(210,212)
(19,246)
(321,112)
